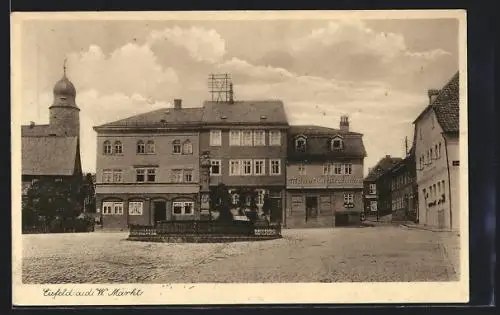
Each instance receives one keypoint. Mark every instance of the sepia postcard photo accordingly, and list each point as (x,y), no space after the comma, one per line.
(171,158)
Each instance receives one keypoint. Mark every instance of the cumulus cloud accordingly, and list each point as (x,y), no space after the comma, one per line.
(201,44)
(129,69)
(243,71)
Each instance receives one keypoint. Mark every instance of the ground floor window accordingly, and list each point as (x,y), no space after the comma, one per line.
(373,206)
(112,207)
(183,207)
(135,208)
(348,198)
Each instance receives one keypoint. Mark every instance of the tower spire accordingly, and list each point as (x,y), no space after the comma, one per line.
(64,66)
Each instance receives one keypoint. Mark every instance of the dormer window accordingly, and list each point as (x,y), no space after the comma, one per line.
(300,144)
(337,144)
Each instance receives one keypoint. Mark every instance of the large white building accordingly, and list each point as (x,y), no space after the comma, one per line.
(437,158)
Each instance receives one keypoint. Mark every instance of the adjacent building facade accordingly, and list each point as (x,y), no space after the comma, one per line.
(404,189)
(52,152)
(377,188)
(247,144)
(148,167)
(437,158)
(324,176)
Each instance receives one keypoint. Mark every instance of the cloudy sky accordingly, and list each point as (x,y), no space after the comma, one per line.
(375,71)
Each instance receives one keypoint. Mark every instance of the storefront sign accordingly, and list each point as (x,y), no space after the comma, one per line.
(325,182)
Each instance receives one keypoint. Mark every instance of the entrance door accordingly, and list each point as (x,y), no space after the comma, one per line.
(276,210)
(311,207)
(160,211)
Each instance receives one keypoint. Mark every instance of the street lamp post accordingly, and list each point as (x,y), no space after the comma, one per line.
(205,164)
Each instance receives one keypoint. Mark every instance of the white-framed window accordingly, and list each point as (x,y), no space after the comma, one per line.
(326,168)
(177,176)
(259,138)
(348,168)
(143,175)
(234,167)
(118,147)
(118,208)
(260,197)
(187,147)
(302,169)
(259,167)
(300,144)
(348,198)
(215,138)
(275,137)
(337,169)
(176,146)
(141,147)
(373,206)
(107,148)
(151,175)
(135,207)
(107,176)
(275,167)
(183,207)
(117,176)
(247,138)
(372,189)
(234,137)
(215,167)
(188,176)
(150,147)
(247,167)
(107,208)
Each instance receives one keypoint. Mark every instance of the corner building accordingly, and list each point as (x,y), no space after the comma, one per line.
(246,141)
(437,158)
(324,176)
(148,168)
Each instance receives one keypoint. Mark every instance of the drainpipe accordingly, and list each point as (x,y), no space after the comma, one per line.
(449,177)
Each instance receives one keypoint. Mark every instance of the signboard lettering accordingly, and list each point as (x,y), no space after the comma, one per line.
(324,181)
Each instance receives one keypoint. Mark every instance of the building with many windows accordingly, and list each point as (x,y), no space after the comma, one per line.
(246,142)
(378,188)
(148,167)
(324,175)
(437,158)
(404,193)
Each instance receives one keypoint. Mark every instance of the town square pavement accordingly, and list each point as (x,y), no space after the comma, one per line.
(388,253)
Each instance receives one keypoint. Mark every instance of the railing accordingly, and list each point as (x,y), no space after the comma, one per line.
(241,228)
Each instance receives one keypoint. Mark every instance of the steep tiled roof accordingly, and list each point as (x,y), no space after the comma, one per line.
(159,118)
(383,165)
(49,155)
(446,106)
(244,112)
(318,143)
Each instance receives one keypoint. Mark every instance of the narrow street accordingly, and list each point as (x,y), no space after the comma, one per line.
(304,255)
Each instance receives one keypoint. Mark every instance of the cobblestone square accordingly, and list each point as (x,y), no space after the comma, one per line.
(378,254)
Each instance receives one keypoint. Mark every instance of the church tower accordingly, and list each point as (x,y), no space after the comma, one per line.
(64,113)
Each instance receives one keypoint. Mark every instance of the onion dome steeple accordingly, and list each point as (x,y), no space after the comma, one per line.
(64,91)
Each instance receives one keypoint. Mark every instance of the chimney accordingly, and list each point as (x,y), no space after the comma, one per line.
(177,103)
(32,124)
(344,123)
(432,93)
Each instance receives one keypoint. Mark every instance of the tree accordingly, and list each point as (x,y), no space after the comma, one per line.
(88,192)
(221,202)
(50,199)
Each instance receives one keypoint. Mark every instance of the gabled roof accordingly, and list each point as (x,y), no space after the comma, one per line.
(383,165)
(49,155)
(159,118)
(245,112)
(319,146)
(447,106)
